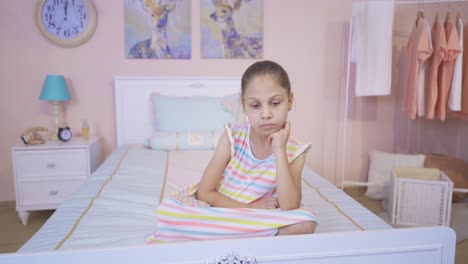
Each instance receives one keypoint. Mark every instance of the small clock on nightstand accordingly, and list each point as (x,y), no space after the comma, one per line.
(64,134)
(67,23)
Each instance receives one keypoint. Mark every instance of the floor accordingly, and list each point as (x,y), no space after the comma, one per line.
(13,234)
(461,253)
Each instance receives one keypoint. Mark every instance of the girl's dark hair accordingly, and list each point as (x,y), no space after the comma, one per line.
(271,68)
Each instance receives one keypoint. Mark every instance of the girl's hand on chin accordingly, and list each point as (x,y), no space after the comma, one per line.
(279,139)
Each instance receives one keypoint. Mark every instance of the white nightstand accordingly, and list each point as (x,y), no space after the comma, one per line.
(45,175)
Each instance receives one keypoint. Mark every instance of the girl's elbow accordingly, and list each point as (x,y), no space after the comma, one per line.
(203,196)
(200,196)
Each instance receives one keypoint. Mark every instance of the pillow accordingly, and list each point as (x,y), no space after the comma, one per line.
(186,140)
(380,171)
(195,113)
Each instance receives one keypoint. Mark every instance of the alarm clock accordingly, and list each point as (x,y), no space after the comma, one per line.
(64,134)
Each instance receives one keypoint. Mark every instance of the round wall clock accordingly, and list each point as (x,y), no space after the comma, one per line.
(67,23)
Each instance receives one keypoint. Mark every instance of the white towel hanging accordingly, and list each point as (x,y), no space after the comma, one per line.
(372,29)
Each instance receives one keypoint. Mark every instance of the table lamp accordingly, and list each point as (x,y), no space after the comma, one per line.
(55,90)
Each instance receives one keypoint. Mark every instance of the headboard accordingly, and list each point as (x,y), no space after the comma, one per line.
(133,108)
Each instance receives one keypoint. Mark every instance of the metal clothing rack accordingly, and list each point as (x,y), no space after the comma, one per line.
(346,113)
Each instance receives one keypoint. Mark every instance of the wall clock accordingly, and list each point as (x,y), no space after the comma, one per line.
(67,23)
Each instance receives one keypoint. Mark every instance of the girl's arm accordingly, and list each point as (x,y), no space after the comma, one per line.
(288,181)
(288,176)
(213,174)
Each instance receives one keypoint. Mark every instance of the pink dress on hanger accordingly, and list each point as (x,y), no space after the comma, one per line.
(446,69)
(417,50)
(439,43)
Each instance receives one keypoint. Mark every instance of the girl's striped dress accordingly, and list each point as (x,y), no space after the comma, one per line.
(181,217)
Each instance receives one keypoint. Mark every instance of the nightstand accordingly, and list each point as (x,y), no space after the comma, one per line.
(47,174)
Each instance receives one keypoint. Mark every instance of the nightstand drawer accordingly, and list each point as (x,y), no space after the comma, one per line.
(47,192)
(57,163)
(47,174)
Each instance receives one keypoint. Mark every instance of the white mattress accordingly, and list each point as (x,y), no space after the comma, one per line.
(116,206)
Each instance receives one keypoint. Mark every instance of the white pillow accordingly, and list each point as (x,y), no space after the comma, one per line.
(380,170)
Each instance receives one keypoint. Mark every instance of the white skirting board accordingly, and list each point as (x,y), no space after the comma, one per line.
(405,245)
(365,184)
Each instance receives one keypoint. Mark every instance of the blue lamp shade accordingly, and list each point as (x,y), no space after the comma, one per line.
(55,89)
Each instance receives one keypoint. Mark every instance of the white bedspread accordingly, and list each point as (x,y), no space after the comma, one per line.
(116,207)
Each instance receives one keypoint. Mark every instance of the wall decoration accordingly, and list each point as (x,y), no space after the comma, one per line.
(231,28)
(157,29)
(67,23)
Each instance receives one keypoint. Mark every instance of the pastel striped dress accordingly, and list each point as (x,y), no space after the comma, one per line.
(181,217)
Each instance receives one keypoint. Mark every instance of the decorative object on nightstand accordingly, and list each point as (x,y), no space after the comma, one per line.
(66,23)
(64,134)
(85,130)
(34,135)
(55,90)
(45,175)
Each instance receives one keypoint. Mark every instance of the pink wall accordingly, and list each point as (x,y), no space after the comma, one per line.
(306,37)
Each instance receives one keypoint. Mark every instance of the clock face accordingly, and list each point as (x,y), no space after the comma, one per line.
(64,134)
(65,19)
(67,22)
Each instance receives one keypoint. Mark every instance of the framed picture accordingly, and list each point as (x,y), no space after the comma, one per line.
(157,29)
(231,28)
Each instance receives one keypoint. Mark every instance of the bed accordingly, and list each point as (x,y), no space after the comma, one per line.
(114,211)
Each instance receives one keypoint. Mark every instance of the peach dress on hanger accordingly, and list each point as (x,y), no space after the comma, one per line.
(417,50)
(446,69)
(439,43)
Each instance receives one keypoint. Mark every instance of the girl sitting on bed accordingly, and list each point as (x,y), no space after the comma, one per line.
(252,185)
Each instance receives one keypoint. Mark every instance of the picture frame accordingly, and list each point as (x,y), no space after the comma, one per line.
(157,29)
(231,29)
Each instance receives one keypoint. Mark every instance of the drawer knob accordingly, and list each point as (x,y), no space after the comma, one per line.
(53,192)
(51,165)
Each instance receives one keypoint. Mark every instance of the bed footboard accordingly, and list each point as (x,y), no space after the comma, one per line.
(408,245)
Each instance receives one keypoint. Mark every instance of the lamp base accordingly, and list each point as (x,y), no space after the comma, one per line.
(57,114)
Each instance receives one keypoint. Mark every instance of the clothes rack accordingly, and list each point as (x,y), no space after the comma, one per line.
(343,181)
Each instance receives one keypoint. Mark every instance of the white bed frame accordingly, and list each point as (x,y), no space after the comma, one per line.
(409,245)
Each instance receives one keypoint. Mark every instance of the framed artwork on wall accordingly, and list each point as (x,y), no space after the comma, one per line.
(231,28)
(157,29)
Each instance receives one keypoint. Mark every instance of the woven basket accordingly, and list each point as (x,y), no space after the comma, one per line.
(420,197)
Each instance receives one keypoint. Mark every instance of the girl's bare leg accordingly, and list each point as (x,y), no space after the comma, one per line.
(306,227)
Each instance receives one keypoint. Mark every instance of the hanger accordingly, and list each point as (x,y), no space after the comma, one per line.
(448,16)
(421,9)
(420,13)
(418,16)
(458,11)
(436,20)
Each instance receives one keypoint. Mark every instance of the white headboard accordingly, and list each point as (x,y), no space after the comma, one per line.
(133,116)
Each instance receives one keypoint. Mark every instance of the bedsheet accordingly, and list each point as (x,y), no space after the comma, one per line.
(116,206)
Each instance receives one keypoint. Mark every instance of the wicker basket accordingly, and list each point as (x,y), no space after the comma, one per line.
(420,197)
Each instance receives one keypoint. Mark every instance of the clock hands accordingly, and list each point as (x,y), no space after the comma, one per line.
(66,8)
